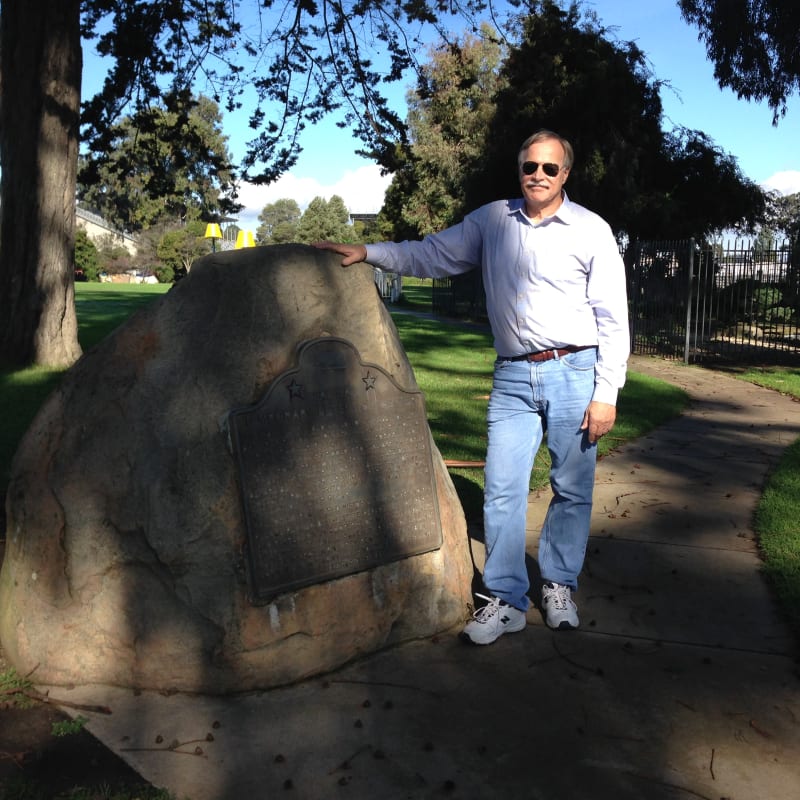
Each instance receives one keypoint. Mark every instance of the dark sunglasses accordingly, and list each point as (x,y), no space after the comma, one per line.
(551,170)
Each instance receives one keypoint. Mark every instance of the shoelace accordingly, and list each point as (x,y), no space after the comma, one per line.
(485,613)
(560,595)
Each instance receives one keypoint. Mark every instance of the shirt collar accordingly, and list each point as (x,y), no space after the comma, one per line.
(565,212)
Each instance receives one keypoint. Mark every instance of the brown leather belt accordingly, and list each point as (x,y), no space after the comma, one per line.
(548,355)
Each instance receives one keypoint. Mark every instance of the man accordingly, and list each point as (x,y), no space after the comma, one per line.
(555,296)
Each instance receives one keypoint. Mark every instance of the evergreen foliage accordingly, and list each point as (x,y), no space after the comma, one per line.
(163,166)
(784,215)
(567,74)
(278,222)
(87,258)
(325,219)
(448,120)
(753,45)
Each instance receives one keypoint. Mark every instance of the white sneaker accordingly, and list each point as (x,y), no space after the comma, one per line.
(493,620)
(560,612)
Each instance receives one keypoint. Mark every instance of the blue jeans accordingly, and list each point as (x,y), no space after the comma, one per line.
(527,400)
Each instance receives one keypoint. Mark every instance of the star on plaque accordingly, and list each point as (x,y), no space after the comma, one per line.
(295,389)
(369,381)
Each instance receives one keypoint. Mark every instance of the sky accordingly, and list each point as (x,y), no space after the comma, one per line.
(767,154)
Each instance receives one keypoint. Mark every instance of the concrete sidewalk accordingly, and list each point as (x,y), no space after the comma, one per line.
(682,682)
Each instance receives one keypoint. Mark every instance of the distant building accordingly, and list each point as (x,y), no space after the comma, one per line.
(365,218)
(97,229)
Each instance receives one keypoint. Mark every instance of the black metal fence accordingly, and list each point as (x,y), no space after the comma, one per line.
(736,302)
(724,301)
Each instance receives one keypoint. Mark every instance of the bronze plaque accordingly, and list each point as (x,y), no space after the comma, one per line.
(336,472)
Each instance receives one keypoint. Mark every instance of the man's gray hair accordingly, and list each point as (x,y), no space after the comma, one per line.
(545,135)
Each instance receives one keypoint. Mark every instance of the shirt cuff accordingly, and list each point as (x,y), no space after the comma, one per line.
(375,254)
(604,393)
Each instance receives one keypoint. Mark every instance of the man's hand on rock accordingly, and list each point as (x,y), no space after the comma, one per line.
(353,253)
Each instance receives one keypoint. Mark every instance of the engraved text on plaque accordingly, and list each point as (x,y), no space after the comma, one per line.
(336,472)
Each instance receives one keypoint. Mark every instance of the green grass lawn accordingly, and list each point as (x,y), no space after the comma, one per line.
(777,517)
(781,379)
(417,293)
(102,306)
(778,529)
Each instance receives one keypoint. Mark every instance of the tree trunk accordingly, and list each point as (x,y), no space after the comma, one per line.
(40,82)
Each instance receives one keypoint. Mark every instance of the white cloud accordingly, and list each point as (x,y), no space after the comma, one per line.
(784,183)
(362,190)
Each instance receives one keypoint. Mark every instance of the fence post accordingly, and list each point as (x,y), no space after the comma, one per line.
(689,302)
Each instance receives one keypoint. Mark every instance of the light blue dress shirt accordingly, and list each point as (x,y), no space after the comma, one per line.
(548,285)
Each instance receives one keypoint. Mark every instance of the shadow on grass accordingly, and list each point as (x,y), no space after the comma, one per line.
(22,392)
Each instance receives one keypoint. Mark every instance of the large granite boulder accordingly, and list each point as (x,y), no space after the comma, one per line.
(129,548)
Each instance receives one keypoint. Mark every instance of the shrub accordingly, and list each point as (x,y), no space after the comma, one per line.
(164,273)
(779,314)
(87,258)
